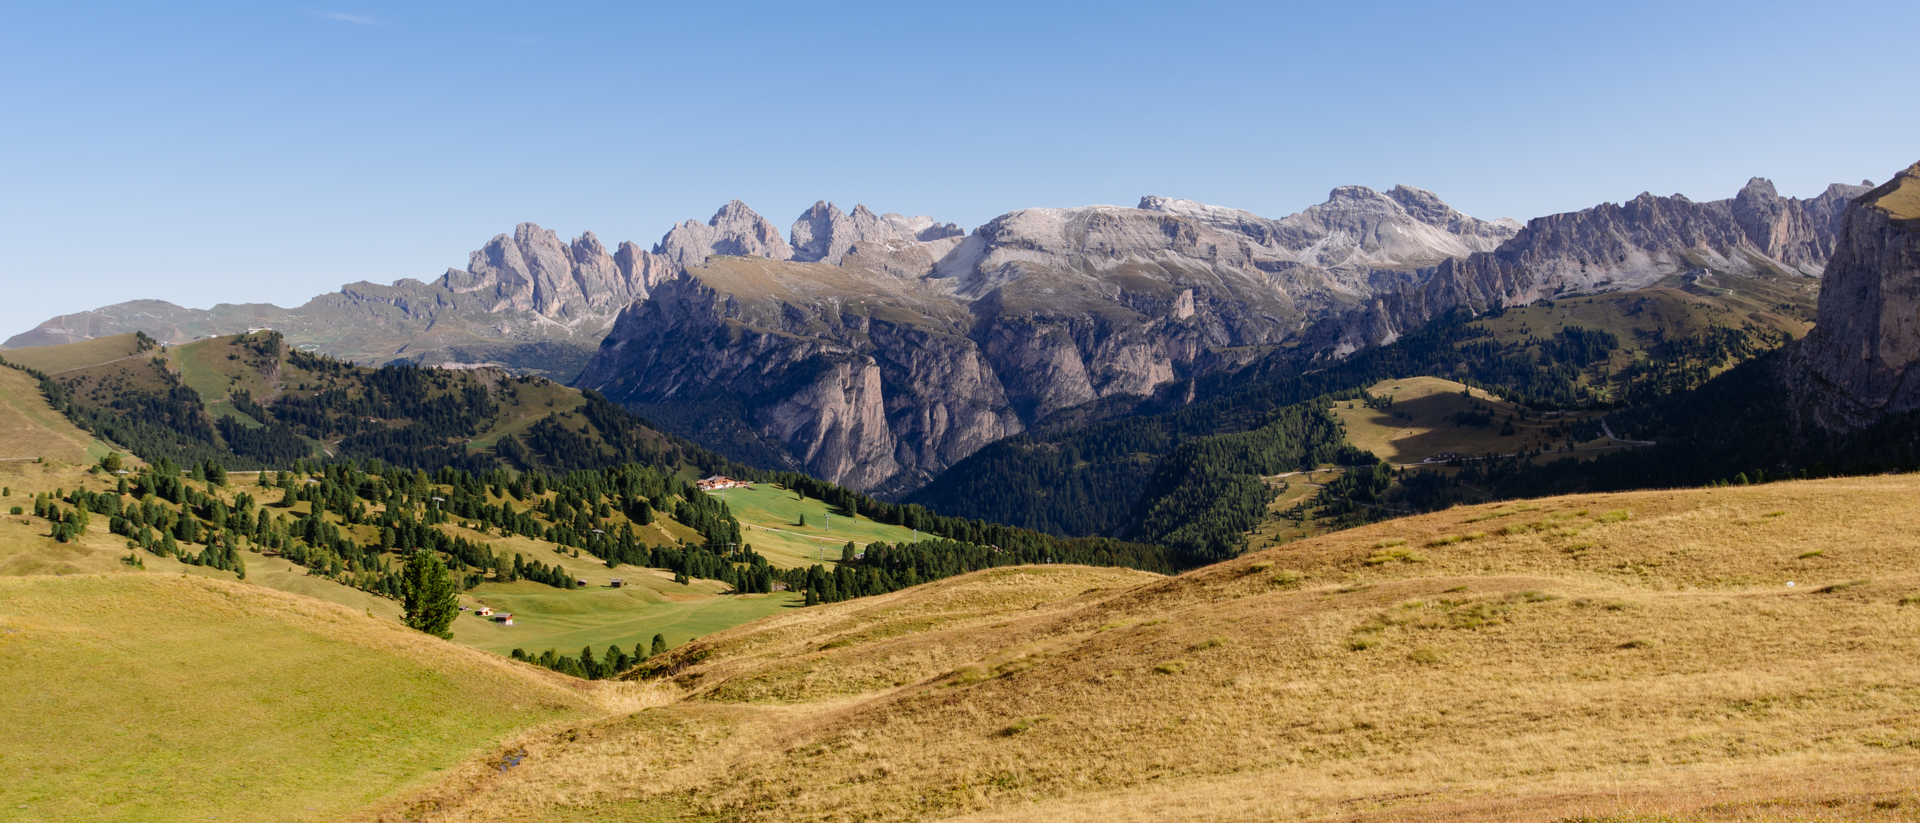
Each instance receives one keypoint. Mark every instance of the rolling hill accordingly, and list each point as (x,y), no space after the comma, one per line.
(1727,654)
(168,697)
(250,401)
(31,429)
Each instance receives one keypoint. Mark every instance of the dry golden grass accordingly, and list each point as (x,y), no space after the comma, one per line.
(1630,657)
(67,356)
(1900,197)
(30,428)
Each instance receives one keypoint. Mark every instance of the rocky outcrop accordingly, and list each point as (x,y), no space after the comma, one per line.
(532,271)
(1862,359)
(824,234)
(734,229)
(1610,247)
(849,374)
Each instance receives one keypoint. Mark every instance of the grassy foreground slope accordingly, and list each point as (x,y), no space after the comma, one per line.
(1635,656)
(168,697)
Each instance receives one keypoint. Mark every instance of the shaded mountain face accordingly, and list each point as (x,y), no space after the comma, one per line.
(1861,362)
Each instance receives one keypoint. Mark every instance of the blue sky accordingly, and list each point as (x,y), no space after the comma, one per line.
(270,151)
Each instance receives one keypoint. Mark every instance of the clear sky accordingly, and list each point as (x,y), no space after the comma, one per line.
(270,151)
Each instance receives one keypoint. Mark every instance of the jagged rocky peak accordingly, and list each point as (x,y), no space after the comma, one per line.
(1358,226)
(825,234)
(1427,207)
(533,271)
(734,229)
(1862,359)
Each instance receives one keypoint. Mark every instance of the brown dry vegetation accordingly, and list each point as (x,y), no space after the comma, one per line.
(1631,657)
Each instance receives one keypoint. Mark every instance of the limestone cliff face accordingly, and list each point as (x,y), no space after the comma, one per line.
(824,234)
(532,271)
(1862,359)
(1610,247)
(885,348)
(734,229)
(871,394)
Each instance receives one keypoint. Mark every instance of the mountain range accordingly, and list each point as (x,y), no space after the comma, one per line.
(878,350)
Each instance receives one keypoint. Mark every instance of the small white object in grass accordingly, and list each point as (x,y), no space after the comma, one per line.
(1789,584)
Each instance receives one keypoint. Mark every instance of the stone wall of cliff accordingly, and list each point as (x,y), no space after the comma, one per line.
(1862,359)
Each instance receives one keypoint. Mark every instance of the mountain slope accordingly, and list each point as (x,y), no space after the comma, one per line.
(1393,672)
(920,345)
(31,429)
(1756,235)
(248,401)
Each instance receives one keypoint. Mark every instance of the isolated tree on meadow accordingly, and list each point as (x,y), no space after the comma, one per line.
(430,599)
(659,644)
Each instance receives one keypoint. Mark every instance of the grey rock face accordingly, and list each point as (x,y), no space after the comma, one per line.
(869,393)
(1608,248)
(824,234)
(735,230)
(532,271)
(888,347)
(1862,359)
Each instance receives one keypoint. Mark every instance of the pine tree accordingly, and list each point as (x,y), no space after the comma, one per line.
(659,644)
(430,599)
(587,665)
(616,661)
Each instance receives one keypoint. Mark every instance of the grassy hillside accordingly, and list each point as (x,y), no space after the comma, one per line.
(548,617)
(162,697)
(1634,656)
(772,516)
(70,356)
(250,401)
(1430,416)
(31,429)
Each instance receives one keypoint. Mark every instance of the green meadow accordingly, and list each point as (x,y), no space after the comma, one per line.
(166,697)
(772,514)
